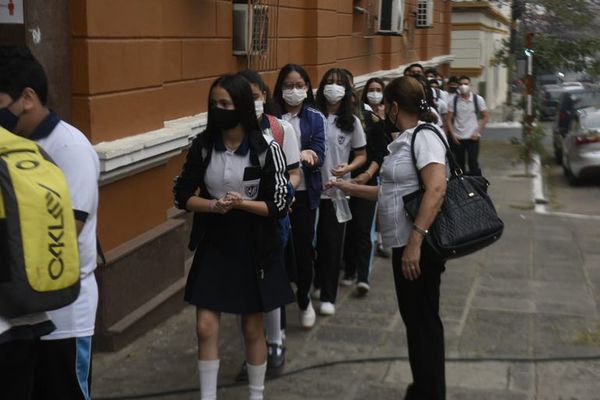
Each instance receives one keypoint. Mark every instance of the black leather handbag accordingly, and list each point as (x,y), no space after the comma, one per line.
(467,220)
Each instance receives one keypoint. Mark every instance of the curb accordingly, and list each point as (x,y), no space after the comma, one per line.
(540,201)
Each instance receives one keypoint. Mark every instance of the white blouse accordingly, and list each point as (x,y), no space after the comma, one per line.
(399,178)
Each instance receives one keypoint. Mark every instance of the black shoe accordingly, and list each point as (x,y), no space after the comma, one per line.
(242,376)
(275,359)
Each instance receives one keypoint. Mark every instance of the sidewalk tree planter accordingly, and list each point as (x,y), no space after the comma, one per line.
(531,144)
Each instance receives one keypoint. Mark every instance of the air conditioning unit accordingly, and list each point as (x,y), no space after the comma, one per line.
(391,17)
(424,13)
(250,29)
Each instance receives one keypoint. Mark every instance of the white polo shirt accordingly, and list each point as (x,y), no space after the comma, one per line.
(399,178)
(465,120)
(74,154)
(338,145)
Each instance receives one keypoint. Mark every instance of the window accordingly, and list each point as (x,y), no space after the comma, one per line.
(424,13)
(391,17)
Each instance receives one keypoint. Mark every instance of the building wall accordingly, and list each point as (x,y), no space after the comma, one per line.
(141,70)
(139,63)
(477,33)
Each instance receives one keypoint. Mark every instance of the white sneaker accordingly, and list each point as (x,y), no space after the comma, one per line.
(362,288)
(308,317)
(316,294)
(327,308)
(346,282)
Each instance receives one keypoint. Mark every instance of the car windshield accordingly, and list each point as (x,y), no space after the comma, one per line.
(553,94)
(587,99)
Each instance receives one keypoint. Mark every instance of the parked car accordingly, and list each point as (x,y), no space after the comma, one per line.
(549,97)
(566,116)
(581,146)
(577,85)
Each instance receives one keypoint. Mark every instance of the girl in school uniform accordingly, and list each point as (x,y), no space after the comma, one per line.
(236,184)
(344,133)
(283,133)
(293,93)
(359,230)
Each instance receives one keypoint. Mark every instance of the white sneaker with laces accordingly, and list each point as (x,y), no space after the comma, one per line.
(362,288)
(308,317)
(346,282)
(327,308)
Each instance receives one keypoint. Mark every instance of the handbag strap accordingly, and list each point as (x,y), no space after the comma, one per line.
(454,168)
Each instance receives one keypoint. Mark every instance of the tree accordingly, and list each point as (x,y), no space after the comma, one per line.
(565,34)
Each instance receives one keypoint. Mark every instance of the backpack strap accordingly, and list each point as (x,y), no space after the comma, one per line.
(455,104)
(476,101)
(276,129)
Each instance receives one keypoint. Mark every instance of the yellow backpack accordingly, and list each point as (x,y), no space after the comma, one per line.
(39,255)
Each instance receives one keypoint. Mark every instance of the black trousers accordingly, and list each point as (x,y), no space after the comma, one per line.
(17,367)
(419,303)
(330,235)
(63,369)
(467,150)
(46,369)
(358,244)
(303,228)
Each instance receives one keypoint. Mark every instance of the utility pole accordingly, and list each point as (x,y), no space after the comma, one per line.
(515,15)
(530,83)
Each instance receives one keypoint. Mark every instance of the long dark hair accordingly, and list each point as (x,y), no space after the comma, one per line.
(271,107)
(345,115)
(241,94)
(363,97)
(285,71)
(409,94)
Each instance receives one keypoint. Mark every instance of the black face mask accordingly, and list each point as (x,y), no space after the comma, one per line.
(225,119)
(452,90)
(8,120)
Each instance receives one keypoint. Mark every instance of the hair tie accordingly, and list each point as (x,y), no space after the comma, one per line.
(423,106)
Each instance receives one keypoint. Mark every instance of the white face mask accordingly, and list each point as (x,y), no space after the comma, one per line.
(464,89)
(259,106)
(294,97)
(375,97)
(334,93)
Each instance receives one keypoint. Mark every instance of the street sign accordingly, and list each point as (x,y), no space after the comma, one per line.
(11,12)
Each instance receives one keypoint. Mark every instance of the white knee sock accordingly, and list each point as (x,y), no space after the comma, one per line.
(273,326)
(208,372)
(256,380)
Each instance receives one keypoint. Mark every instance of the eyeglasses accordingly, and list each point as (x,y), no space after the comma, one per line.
(292,85)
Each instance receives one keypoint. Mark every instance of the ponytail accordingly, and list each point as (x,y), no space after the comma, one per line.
(426,114)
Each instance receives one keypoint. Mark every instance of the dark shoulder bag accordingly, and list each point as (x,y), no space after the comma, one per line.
(467,221)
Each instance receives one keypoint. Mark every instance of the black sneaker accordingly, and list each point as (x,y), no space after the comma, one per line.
(275,359)
(242,376)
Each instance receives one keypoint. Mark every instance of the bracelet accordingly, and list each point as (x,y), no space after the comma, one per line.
(421,231)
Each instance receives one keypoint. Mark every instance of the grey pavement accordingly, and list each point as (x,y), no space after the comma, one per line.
(521,318)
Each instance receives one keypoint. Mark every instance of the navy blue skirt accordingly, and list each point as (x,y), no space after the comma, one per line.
(226,275)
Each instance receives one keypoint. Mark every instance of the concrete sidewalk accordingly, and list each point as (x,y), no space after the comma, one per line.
(532,296)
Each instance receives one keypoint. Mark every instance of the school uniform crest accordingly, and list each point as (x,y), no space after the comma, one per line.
(251,191)
(341,139)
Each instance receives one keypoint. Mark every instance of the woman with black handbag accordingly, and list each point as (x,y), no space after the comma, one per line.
(417,267)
